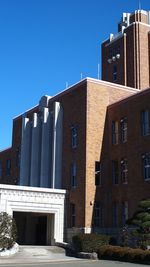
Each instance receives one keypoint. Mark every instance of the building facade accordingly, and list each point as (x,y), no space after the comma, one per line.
(88,145)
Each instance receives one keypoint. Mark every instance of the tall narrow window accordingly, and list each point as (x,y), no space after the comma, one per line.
(115,173)
(114,132)
(8,166)
(73,175)
(73,214)
(0,169)
(146,166)
(74,135)
(98,178)
(115,214)
(124,127)
(18,157)
(145,124)
(124,171)
(124,212)
(98,215)
(114,73)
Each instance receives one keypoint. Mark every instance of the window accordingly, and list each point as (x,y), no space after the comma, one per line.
(18,157)
(145,122)
(114,132)
(73,215)
(73,175)
(115,174)
(98,220)
(98,181)
(8,166)
(124,171)
(124,212)
(146,166)
(114,73)
(74,137)
(123,124)
(115,214)
(0,169)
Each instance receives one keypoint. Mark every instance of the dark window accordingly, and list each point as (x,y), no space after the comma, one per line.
(145,122)
(98,181)
(146,166)
(124,128)
(73,215)
(115,214)
(74,137)
(73,175)
(98,215)
(8,166)
(124,212)
(18,157)
(114,132)
(124,171)
(115,173)
(114,73)
(0,169)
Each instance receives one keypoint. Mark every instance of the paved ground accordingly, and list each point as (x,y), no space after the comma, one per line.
(84,263)
(36,254)
(54,256)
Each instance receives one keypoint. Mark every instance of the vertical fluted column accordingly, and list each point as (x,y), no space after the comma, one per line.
(57,146)
(46,148)
(25,152)
(35,151)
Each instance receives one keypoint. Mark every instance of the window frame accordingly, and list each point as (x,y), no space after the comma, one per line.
(98,173)
(115,73)
(115,214)
(73,214)
(146,166)
(115,178)
(74,137)
(8,167)
(115,132)
(124,170)
(73,175)
(125,212)
(124,129)
(97,215)
(145,122)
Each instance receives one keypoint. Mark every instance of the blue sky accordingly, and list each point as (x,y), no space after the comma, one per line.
(46,43)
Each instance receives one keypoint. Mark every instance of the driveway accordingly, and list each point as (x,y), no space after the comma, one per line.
(40,256)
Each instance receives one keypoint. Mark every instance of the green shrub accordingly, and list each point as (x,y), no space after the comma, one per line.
(124,254)
(8,231)
(89,242)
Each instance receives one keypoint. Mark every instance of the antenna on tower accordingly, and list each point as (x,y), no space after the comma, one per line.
(139,4)
(66,85)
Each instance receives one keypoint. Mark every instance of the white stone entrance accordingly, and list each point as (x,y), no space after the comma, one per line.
(36,200)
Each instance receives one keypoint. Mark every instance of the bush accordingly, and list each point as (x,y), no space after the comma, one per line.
(89,242)
(124,254)
(8,231)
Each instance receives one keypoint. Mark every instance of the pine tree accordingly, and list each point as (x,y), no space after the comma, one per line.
(141,220)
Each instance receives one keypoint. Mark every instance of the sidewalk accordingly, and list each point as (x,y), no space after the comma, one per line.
(37,254)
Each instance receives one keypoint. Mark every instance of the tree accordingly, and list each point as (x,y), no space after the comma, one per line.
(141,220)
(8,231)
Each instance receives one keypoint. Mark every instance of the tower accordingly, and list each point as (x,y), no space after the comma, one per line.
(126,55)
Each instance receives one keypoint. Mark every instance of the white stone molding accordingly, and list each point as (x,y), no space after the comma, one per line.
(35,199)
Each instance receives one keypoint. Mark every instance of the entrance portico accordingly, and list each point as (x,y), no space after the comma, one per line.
(42,205)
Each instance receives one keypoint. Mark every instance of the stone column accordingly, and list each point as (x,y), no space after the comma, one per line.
(57,146)
(45,176)
(35,151)
(25,152)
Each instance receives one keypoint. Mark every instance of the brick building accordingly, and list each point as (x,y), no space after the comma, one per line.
(88,145)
